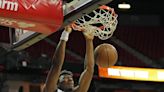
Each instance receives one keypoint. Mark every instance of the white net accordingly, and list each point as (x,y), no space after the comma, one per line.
(102,22)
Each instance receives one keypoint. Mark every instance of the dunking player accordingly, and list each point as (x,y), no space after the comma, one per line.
(62,81)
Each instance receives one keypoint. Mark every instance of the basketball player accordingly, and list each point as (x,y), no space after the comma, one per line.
(62,81)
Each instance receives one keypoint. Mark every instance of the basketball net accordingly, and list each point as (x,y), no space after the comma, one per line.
(101,22)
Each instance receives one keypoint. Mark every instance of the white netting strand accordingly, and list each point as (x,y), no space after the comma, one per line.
(102,22)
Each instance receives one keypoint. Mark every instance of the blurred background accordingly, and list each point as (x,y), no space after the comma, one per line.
(138,39)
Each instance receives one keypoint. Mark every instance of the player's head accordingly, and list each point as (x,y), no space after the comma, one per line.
(66,81)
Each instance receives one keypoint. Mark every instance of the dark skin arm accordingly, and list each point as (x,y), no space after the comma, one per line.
(58,60)
(86,76)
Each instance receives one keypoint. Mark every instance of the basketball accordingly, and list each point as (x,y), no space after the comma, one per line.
(105,55)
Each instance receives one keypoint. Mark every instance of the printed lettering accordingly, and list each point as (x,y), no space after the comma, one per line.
(8,5)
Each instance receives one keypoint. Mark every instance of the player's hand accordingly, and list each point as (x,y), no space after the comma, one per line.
(68,29)
(75,27)
(88,35)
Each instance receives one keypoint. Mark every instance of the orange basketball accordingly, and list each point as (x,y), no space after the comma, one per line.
(105,55)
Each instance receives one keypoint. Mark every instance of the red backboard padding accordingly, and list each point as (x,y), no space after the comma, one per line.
(44,16)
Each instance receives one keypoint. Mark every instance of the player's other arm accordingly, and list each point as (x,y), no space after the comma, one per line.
(87,74)
(58,60)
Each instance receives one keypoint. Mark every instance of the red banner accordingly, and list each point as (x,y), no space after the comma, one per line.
(44,16)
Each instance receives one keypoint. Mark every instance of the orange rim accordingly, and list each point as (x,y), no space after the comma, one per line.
(108,8)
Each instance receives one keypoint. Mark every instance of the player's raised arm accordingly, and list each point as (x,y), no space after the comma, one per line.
(87,74)
(58,60)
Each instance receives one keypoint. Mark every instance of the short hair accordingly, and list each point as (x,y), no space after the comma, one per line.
(66,72)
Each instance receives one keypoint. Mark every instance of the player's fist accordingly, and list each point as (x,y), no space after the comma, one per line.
(89,35)
(68,29)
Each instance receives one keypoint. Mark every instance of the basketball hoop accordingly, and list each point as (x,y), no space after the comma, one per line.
(102,22)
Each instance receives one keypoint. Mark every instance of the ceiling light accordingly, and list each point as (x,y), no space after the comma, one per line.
(124,6)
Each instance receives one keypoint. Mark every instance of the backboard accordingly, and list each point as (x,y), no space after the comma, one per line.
(73,10)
